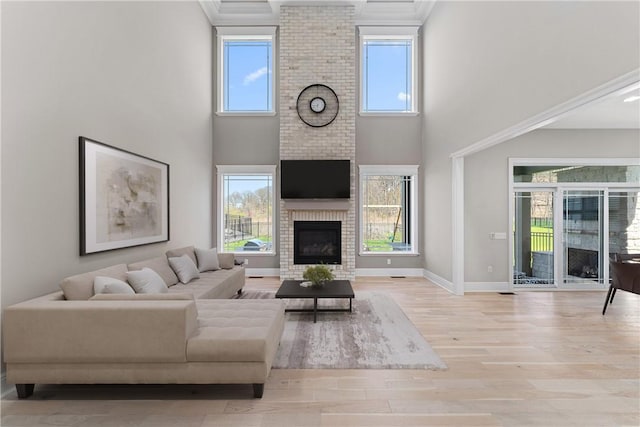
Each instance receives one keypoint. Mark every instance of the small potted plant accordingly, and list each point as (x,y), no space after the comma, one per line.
(318,275)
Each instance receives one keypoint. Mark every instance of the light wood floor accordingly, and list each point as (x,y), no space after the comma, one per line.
(530,359)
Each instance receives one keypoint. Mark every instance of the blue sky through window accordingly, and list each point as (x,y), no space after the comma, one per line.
(386,75)
(247,76)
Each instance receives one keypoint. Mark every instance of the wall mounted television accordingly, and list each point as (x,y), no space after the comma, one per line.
(315,179)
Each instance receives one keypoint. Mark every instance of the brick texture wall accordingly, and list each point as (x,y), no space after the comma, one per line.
(318,45)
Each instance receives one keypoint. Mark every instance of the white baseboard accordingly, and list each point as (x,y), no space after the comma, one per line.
(362,272)
(264,272)
(486,287)
(440,281)
(386,272)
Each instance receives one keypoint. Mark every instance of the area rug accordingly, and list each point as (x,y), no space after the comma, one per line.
(376,335)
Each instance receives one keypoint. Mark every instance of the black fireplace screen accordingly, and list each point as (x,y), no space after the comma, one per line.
(317,242)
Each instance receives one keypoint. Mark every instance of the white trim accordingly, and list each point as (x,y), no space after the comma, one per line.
(244,34)
(245,113)
(248,32)
(244,170)
(487,287)
(620,84)
(390,33)
(534,186)
(386,272)
(390,253)
(577,161)
(388,113)
(264,272)
(437,280)
(388,169)
(457,225)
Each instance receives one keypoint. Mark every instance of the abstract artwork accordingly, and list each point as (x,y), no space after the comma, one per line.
(124,198)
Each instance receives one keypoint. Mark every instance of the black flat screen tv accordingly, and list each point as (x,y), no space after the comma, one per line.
(315,179)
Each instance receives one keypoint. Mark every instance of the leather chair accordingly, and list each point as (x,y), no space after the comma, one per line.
(625,275)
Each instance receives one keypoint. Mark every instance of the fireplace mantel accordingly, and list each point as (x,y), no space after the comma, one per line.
(317,205)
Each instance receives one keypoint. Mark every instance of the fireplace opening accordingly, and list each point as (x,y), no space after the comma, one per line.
(317,242)
(582,263)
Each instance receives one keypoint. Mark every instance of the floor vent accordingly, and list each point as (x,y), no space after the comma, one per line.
(398,277)
(256,277)
(506,293)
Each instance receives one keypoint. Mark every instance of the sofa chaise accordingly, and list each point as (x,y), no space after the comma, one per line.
(186,335)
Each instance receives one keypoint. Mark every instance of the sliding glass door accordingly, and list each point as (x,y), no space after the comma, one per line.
(584,256)
(569,218)
(533,237)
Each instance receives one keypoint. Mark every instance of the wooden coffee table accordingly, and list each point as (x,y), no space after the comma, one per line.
(332,289)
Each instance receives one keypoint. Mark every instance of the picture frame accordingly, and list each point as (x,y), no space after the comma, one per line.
(124,198)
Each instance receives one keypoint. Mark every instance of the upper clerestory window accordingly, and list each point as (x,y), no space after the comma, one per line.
(245,70)
(388,69)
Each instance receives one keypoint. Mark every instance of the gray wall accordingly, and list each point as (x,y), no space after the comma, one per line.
(246,140)
(491,65)
(136,75)
(487,187)
(389,141)
(384,140)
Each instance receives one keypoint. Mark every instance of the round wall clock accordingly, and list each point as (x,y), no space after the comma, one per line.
(317,105)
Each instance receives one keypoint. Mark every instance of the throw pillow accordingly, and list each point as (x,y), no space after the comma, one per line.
(146,281)
(184,268)
(158,264)
(226,261)
(188,250)
(207,259)
(80,286)
(109,285)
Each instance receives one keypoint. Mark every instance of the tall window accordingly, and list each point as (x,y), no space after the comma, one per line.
(388,210)
(388,69)
(245,70)
(246,209)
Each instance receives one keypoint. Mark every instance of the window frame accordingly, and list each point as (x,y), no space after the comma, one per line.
(390,170)
(244,170)
(244,34)
(391,34)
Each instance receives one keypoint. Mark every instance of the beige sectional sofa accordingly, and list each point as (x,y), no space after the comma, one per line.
(192,334)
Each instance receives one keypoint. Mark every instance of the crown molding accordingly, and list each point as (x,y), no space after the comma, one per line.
(267,12)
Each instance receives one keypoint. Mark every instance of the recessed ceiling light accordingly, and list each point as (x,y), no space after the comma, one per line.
(632,98)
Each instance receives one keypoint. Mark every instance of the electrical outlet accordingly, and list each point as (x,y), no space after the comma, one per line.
(388,261)
(246,261)
(490,269)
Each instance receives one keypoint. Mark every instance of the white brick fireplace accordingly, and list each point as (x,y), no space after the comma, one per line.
(317,45)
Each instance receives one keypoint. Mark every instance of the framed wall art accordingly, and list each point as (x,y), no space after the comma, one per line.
(124,198)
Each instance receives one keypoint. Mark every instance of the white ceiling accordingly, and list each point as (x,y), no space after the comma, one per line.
(608,112)
(267,12)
